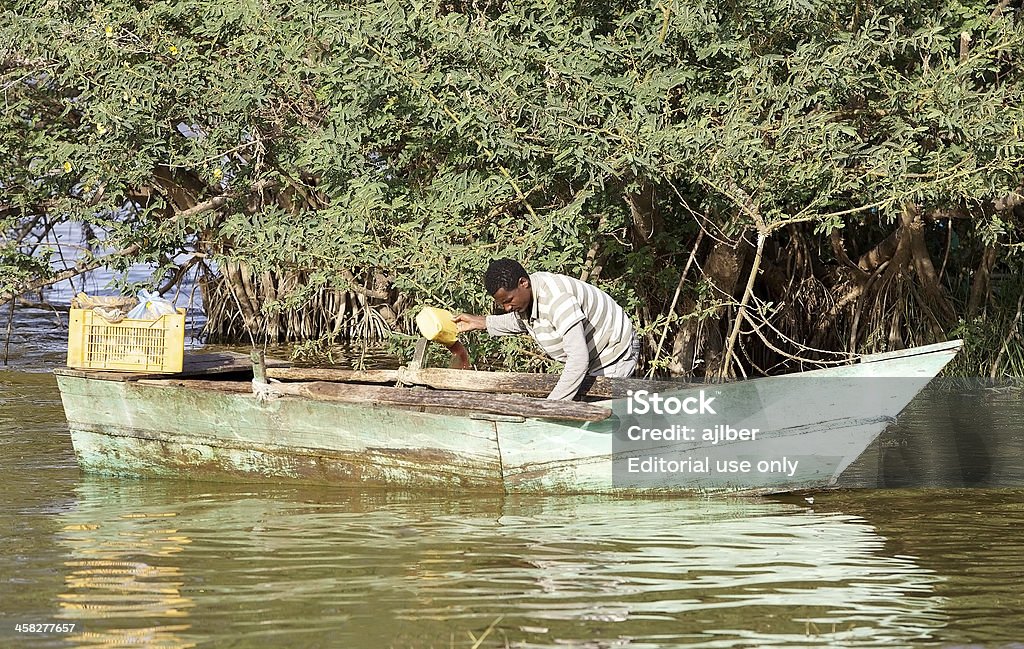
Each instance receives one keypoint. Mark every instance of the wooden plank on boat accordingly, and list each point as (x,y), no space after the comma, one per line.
(404,397)
(491,403)
(535,385)
(329,374)
(192,365)
(539,385)
(206,385)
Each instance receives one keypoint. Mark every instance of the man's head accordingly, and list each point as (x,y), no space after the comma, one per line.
(509,283)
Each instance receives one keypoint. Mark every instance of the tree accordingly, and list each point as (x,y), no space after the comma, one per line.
(329,167)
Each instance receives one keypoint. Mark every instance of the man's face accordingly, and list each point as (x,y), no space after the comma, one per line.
(519,299)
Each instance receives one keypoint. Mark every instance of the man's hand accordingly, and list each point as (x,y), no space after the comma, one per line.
(466,322)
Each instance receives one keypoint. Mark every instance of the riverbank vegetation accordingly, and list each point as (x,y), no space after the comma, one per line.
(764,185)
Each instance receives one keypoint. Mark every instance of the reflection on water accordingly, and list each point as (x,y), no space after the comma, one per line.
(163,563)
(117,573)
(970,537)
(175,562)
(956,433)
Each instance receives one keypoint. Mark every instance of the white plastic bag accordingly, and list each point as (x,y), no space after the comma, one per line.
(151,307)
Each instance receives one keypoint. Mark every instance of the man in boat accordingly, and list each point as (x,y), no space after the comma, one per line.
(572,321)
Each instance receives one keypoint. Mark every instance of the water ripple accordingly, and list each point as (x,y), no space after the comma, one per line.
(569,571)
(163,563)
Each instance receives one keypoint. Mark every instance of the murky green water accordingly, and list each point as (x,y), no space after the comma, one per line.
(156,563)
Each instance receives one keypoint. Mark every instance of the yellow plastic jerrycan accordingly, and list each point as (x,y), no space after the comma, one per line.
(437,325)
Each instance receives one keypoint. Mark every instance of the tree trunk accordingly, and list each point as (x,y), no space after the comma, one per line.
(235,299)
(643,208)
(722,269)
(982,282)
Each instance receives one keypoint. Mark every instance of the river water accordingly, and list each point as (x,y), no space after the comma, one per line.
(161,563)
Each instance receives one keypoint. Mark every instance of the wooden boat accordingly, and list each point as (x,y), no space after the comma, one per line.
(459,430)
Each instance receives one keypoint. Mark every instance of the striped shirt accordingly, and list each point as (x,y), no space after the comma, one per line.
(559,302)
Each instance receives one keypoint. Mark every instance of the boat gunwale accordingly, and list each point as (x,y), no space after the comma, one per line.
(478,405)
(456,392)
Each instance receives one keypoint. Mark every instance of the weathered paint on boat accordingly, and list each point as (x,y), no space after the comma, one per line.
(130,428)
(191,429)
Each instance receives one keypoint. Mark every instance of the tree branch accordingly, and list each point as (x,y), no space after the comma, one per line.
(78,269)
(1010,201)
(216,202)
(742,312)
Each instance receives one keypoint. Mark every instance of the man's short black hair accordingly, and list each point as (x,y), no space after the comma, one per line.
(503,273)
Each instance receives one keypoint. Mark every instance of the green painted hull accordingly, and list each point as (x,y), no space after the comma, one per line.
(174,429)
(133,429)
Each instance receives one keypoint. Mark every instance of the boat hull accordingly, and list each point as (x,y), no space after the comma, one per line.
(186,429)
(134,429)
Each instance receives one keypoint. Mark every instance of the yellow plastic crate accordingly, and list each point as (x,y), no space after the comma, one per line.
(129,345)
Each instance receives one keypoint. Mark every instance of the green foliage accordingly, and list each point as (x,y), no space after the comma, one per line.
(17,268)
(994,344)
(419,140)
